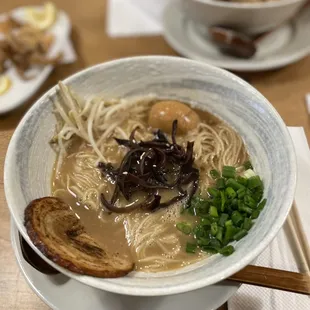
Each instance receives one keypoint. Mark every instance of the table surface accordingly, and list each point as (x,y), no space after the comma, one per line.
(284,88)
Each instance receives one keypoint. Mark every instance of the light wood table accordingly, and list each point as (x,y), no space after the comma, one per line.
(284,88)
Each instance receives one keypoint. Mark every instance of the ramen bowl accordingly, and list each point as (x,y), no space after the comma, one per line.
(29,161)
(252,17)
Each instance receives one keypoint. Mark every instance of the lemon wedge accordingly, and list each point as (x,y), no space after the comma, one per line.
(42,19)
(5,84)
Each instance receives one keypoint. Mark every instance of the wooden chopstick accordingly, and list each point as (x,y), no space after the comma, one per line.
(282,279)
(301,236)
(273,278)
(296,246)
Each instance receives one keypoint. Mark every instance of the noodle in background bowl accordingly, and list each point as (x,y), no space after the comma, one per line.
(30,159)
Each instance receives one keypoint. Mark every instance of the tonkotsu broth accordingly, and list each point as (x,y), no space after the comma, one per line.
(110,229)
(151,239)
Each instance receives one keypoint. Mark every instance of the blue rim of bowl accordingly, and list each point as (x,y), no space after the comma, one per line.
(108,284)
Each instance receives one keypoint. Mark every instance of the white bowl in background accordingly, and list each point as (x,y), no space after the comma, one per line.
(29,160)
(250,18)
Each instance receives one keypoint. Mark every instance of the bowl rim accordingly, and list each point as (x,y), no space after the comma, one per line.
(107,284)
(249,5)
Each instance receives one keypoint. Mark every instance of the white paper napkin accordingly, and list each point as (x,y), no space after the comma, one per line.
(69,54)
(134,17)
(279,253)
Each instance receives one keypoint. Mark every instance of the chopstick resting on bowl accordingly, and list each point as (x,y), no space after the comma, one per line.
(282,279)
(273,278)
(300,239)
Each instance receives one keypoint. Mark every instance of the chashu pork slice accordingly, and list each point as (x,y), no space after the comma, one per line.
(56,231)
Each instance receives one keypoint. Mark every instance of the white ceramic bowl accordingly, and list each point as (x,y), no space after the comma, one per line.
(251,18)
(29,160)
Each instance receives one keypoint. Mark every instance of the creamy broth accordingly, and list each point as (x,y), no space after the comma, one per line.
(151,240)
(110,229)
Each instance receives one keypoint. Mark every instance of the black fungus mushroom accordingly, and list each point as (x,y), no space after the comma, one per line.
(149,166)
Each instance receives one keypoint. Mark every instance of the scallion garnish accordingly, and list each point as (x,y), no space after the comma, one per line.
(220,183)
(214,229)
(191,247)
(234,184)
(254,182)
(247,165)
(213,211)
(227,250)
(247,223)
(213,192)
(236,218)
(184,228)
(229,172)
(223,219)
(219,234)
(214,174)
(262,204)
(230,193)
(255,214)
(227,214)
(239,235)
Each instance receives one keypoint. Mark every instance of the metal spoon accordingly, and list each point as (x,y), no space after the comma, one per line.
(33,259)
(238,44)
(232,42)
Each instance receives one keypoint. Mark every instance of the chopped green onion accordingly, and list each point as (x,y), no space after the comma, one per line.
(229,172)
(249,173)
(223,200)
(254,182)
(234,184)
(228,223)
(211,218)
(239,235)
(247,165)
(241,192)
(249,201)
(214,243)
(228,213)
(244,208)
(213,211)
(236,218)
(219,235)
(229,233)
(234,204)
(255,214)
(205,221)
(230,192)
(258,194)
(191,247)
(209,250)
(213,191)
(214,246)
(220,183)
(200,232)
(262,204)
(227,250)
(214,174)
(247,223)
(217,202)
(242,181)
(223,219)
(184,228)
(213,229)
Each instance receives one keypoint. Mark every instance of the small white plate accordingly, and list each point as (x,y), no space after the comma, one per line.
(60,292)
(286,45)
(21,90)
